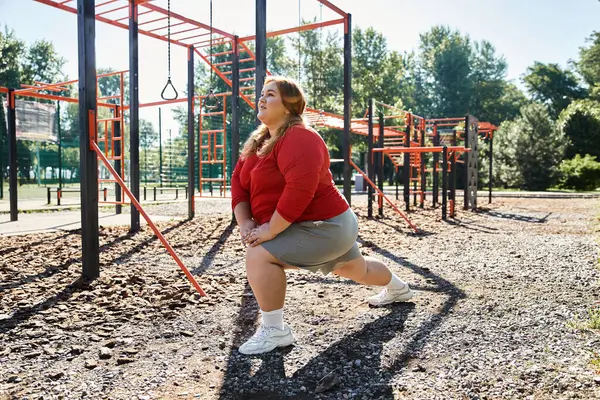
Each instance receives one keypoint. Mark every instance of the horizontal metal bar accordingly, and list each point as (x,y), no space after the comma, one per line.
(97,5)
(112,73)
(111,11)
(139,15)
(151,21)
(306,27)
(223,63)
(193,36)
(223,53)
(165,27)
(434,149)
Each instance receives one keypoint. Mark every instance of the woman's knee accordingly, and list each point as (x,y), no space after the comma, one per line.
(259,258)
(354,269)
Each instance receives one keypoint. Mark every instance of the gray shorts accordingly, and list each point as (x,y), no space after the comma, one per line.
(318,245)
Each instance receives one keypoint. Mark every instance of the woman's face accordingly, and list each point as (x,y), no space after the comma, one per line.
(271,110)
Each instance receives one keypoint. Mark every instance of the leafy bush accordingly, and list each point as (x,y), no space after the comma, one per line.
(528,150)
(581,124)
(580,173)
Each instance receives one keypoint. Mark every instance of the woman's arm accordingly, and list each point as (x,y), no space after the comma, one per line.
(300,159)
(240,202)
(277,224)
(238,193)
(242,212)
(267,231)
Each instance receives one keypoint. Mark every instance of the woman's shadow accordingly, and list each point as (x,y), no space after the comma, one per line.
(367,345)
(331,366)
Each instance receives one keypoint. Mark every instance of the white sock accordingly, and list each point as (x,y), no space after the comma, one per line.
(396,283)
(273,318)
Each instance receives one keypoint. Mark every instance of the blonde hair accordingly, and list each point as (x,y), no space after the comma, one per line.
(261,142)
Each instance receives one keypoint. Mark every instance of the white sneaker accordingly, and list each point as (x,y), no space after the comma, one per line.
(268,338)
(389,296)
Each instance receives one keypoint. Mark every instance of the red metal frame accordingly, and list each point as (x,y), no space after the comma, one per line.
(154,15)
(109,138)
(94,147)
(212,147)
(382,195)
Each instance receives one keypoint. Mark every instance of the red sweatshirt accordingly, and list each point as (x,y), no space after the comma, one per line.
(293,179)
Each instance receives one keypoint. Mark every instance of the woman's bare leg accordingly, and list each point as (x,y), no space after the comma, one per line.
(266,277)
(366,270)
(371,271)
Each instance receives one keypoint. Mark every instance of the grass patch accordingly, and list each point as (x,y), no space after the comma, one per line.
(592,322)
(594,318)
(595,362)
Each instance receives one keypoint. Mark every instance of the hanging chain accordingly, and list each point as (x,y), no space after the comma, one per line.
(299,42)
(211,46)
(169,36)
(321,78)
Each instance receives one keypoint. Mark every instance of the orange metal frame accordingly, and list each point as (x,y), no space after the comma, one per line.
(382,195)
(152,23)
(109,138)
(212,147)
(94,147)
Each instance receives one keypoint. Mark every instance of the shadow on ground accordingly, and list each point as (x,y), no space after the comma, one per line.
(366,344)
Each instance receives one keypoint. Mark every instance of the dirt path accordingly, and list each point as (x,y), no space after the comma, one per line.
(496,291)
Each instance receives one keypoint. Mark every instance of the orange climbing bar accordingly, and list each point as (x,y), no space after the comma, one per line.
(306,27)
(94,147)
(332,7)
(434,149)
(147,218)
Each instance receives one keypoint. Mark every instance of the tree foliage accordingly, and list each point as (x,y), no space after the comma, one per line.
(581,123)
(589,60)
(580,173)
(553,86)
(453,75)
(528,150)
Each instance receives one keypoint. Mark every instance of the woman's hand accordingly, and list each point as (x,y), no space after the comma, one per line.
(260,235)
(245,228)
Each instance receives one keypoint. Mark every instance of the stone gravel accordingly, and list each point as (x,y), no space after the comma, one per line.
(497,291)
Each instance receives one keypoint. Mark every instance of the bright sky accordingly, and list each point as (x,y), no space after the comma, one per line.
(523,31)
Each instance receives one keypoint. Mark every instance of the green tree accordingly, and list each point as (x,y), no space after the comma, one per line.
(553,86)
(580,173)
(528,150)
(451,75)
(321,71)
(445,64)
(148,135)
(581,123)
(11,55)
(42,63)
(488,74)
(111,85)
(589,60)
(278,62)
(505,108)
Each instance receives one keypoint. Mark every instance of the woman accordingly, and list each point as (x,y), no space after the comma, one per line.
(292,216)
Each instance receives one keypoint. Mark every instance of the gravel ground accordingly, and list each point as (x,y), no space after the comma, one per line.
(496,291)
